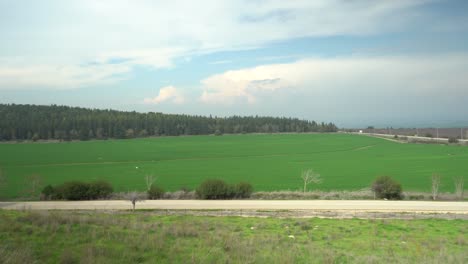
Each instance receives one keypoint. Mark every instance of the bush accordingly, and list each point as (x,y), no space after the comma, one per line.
(388,188)
(243,190)
(452,140)
(416,197)
(218,189)
(48,192)
(76,190)
(99,190)
(155,192)
(213,189)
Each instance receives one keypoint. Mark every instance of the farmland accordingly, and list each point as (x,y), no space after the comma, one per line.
(269,162)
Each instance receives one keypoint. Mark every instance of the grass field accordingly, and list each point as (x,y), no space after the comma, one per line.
(269,162)
(94,237)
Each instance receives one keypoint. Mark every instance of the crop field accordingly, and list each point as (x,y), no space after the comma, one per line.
(141,237)
(268,162)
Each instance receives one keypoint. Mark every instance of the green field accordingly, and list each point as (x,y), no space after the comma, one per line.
(269,162)
(141,237)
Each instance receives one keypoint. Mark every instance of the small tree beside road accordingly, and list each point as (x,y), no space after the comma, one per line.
(133,197)
(2,183)
(384,187)
(149,180)
(309,176)
(435,180)
(459,185)
(155,192)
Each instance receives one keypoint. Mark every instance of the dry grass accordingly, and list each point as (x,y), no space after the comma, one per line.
(314,195)
(363,194)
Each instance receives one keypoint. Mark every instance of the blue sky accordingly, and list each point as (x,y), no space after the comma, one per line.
(355,63)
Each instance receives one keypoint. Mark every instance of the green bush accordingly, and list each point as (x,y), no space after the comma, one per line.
(388,188)
(213,189)
(99,190)
(48,193)
(218,189)
(76,190)
(452,140)
(155,192)
(243,190)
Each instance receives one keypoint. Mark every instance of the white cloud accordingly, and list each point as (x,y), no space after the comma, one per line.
(59,77)
(154,34)
(350,76)
(166,94)
(155,58)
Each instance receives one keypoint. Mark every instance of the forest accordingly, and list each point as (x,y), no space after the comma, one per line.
(54,122)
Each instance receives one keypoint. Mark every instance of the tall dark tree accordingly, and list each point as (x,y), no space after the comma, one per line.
(34,122)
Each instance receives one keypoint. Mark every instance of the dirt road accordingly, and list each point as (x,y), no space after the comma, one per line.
(322,205)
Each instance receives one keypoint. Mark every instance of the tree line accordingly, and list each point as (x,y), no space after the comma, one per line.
(34,122)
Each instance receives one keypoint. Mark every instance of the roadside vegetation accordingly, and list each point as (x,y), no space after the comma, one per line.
(216,189)
(76,190)
(140,237)
(384,187)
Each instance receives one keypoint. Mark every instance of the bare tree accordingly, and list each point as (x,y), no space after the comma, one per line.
(2,183)
(459,182)
(149,180)
(33,186)
(435,185)
(309,176)
(133,197)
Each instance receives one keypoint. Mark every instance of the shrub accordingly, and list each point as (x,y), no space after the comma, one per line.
(155,192)
(99,190)
(243,190)
(75,190)
(429,135)
(416,197)
(48,192)
(452,140)
(386,187)
(213,189)
(218,189)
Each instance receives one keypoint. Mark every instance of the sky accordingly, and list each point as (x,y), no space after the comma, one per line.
(399,63)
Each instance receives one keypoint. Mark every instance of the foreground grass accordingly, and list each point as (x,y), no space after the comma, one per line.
(268,162)
(99,237)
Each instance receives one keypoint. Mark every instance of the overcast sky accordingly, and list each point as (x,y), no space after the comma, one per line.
(355,63)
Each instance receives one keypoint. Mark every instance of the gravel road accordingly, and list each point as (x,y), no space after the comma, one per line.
(323,205)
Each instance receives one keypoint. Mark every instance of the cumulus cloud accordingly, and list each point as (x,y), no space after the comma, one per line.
(154,34)
(350,76)
(166,94)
